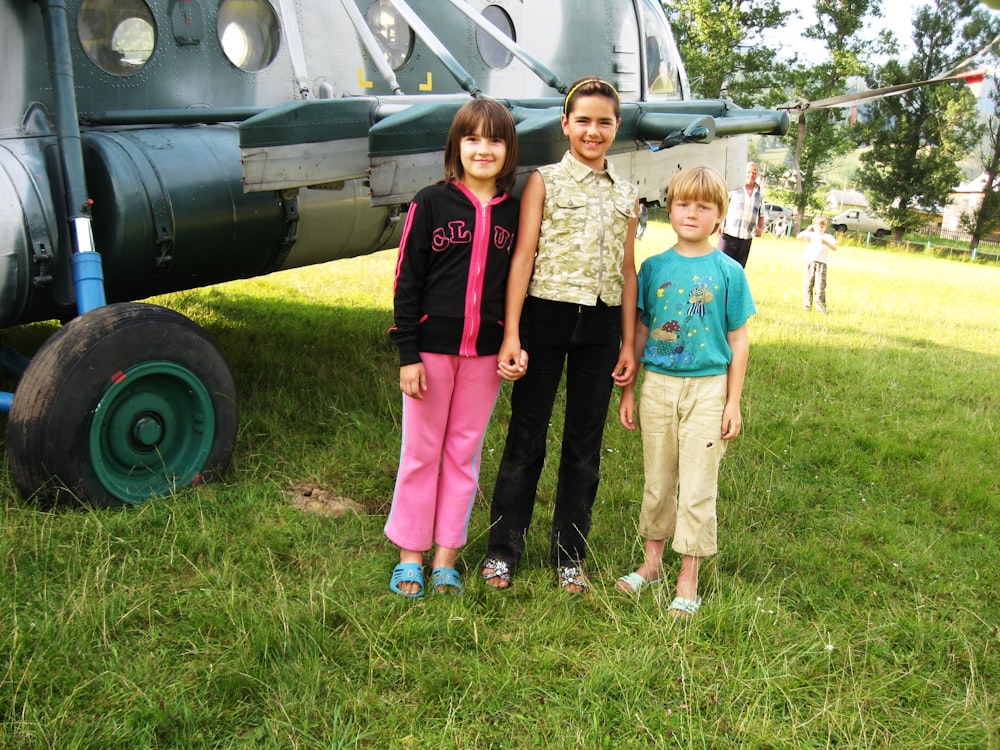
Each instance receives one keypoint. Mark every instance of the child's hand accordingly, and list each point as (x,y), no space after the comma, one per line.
(625,369)
(626,409)
(732,421)
(513,369)
(413,380)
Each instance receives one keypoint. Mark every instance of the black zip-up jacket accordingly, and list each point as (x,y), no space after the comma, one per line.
(451,276)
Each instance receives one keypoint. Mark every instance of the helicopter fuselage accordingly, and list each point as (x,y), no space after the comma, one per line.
(151,146)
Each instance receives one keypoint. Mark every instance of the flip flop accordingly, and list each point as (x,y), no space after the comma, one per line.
(685,607)
(446,578)
(572,575)
(637,583)
(407,573)
(501,572)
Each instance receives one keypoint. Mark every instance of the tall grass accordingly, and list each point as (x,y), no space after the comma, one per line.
(854,601)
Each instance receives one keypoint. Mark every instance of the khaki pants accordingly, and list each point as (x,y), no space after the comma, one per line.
(681,423)
(814,277)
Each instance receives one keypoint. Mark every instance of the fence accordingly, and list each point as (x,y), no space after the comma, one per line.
(987,250)
(988,244)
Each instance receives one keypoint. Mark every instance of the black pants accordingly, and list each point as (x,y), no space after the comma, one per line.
(735,248)
(588,340)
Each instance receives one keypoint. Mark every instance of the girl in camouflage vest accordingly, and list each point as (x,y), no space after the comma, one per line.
(571,300)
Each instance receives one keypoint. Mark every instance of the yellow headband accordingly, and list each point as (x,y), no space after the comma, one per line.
(584,83)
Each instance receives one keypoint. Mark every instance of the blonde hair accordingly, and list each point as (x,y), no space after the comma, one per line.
(699,184)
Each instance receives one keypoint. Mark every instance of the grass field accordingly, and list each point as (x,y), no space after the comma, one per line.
(853,604)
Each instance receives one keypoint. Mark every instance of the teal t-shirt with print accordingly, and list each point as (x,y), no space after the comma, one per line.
(689,305)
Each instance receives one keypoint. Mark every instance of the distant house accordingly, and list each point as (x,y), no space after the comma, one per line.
(932,222)
(841,200)
(964,199)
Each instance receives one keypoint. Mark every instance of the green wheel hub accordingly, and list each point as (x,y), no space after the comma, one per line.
(152,431)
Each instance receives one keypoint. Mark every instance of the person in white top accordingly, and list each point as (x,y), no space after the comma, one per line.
(818,245)
(744,218)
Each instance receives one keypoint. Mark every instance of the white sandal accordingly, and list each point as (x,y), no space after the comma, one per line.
(637,583)
(685,606)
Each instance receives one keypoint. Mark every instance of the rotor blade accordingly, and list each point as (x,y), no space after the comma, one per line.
(847,100)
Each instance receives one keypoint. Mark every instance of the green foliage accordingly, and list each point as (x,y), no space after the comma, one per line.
(985,218)
(852,604)
(821,137)
(918,139)
(720,45)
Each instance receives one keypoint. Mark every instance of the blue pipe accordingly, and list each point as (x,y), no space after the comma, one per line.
(13,363)
(88,275)
(88,280)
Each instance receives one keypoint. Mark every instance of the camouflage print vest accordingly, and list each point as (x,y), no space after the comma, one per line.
(582,242)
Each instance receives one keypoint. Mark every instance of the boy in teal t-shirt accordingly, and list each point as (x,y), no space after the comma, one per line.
(691,337)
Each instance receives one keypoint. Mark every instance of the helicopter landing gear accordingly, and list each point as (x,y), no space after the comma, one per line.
(125,402)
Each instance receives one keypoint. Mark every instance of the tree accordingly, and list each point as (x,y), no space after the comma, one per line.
(985,218)
(823,135)
(917,139)
(720,43)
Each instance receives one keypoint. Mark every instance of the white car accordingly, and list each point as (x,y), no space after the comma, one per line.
(857,220)
(776,211)
(777,218)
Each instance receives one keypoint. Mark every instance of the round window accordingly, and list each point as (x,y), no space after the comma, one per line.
(495,54)
(117,35)
(249,33)
(393,34)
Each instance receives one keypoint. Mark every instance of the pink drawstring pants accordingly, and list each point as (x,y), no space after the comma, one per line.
(442,443)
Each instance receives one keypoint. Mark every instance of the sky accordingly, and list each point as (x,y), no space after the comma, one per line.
(897,14)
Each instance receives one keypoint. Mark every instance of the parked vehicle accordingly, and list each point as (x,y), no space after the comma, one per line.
(778,218)
(776,210)
(857,220)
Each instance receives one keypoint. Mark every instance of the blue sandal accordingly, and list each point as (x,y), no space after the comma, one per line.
(446,578)
(407,573)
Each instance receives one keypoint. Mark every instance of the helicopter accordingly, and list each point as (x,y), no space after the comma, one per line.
(153,146)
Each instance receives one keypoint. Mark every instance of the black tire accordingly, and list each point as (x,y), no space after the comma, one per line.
(880,233)
(839,228)
(126,402)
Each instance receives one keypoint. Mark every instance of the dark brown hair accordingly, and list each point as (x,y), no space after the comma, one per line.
(591,86)
(493,120)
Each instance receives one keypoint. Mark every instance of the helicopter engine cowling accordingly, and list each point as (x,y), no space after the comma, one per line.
(169,213)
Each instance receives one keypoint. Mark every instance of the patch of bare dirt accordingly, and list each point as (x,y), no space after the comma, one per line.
(321,501)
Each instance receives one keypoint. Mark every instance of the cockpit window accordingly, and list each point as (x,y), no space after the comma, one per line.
(662,62)
(494,54)
(249,33)
(393,34)
(117,35)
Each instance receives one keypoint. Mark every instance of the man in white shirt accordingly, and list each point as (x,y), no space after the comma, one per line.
(744,219)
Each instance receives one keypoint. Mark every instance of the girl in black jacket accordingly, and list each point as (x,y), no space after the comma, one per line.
(449,294)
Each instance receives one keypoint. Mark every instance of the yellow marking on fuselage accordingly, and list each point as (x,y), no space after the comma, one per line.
(361,80)
(429,86)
